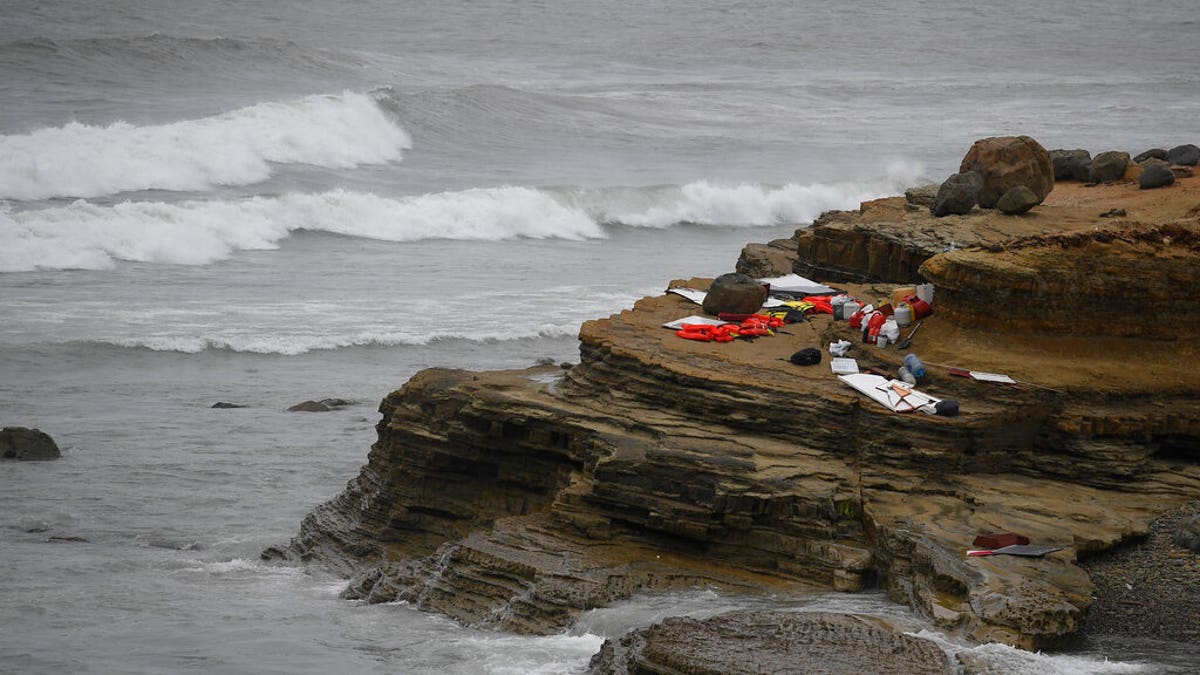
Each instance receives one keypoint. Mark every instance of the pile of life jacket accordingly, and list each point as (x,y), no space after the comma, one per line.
(753,325)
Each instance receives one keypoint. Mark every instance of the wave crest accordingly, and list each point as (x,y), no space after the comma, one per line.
(234,148)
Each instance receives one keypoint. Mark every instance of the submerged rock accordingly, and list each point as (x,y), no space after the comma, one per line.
(324,405)
(21,443)
(771,643)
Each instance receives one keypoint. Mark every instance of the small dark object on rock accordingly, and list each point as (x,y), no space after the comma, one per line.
(957,195)
(70,538)
(1109,167)
(26,444)
(1113,213)
(808,356)
(734,293)
(1185,155)
(224,405)
(946,408)
(1018,200)
(1153,153)
(1155,176)
(1187,534)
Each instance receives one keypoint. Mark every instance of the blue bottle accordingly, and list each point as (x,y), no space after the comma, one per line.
(914,366)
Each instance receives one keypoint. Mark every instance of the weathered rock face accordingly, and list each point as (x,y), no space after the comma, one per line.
(1035,284)
(771,643)
(519,499)
(1004,162)
(22,443)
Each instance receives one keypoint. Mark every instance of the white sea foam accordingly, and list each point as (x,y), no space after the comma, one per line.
(84,235)
(706,203)
(233,148)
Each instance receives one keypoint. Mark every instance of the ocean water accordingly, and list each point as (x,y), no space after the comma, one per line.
(263,203)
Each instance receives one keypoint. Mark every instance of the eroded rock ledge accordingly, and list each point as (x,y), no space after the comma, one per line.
(518,499)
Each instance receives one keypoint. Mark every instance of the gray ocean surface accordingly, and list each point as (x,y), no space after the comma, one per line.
(263,203)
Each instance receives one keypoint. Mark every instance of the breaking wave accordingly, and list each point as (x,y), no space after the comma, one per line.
(234,148)
(84,235)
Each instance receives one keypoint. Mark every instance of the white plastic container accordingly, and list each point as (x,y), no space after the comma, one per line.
(903,314)
(925,292)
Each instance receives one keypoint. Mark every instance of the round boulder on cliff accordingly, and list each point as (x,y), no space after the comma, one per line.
(957,195)
(27,444)
(1109,167)
(1152,153)
(1156,174)
(1187,533)
(1071,164)
(734,293)
(1017,201)
(1184,155)
(1004,162)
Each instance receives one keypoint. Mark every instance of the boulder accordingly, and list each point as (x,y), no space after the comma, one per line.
(957,195)
(1109,167)
(922,195)
(324,405)
(1153,153)
(1156,174)
(734,293)
(1004,162)
(27,444)
(1071,164)
(1018,200)
(1184,155)
(1187,533)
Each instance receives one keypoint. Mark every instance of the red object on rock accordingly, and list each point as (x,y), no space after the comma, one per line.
(999,540)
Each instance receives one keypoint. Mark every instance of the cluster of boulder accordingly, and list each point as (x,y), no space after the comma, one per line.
(1013,174)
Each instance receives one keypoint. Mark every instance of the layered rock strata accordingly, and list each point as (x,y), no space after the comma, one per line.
(518,499)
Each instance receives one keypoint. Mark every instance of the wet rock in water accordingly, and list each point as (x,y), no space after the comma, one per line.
(1187,533)
(1004,162)
(1017,201)
(922,195)
(770,642)
(1153,153)
(1155,175)
(1109,167)
(324,405)
(1184,155)
(957,195)
(1071,164)
(734,293)
(21,443)
(224,405)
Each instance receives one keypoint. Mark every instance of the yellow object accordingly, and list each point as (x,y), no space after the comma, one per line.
(903,292)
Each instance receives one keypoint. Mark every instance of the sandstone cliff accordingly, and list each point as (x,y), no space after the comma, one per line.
(518,499)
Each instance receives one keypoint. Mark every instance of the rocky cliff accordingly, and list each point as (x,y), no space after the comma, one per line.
(518,499)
